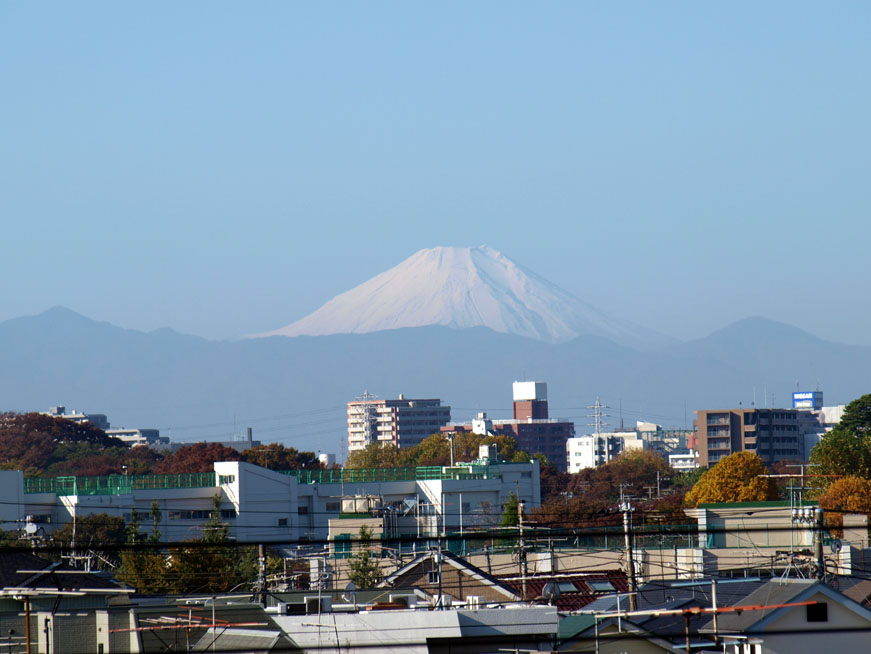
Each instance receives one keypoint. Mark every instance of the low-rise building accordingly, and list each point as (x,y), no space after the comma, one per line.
(261,505)
(97,419)
(135,437)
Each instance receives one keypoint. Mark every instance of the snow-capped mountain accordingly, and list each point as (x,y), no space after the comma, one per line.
(466,287)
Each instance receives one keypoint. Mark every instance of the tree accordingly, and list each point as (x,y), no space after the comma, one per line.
(374,455)
(144,569)
(841,453)
(736,478)
(100,533)
(197,457)
(847,495)
(364,570)
(278,457)
(510,515)
(857,416)
(846,450)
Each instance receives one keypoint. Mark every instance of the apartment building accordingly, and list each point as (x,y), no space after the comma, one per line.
(401,422)
(592,450)
(774,434)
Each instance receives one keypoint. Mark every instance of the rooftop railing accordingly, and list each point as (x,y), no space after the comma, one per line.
(359,475)
(125,484)
(116,484)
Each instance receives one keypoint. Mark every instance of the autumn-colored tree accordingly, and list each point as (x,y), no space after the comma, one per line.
(738,477)
(847,495)
(435,450)
(846,450)
(33,442)
(197,457)
(278,457)
(375,455)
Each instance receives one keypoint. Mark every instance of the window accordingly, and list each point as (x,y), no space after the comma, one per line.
(226,479)
(228,514)
(303,510)
(433,577)
(342,546)
(818,612)
(332,507)
(601,586)
(282,522)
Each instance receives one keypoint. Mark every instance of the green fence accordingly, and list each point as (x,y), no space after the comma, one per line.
(116,484)
(358,475)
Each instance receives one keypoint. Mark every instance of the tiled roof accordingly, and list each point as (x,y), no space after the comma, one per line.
(576,590)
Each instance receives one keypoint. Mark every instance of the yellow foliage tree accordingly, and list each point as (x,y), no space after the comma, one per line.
(736,478)
(847,495)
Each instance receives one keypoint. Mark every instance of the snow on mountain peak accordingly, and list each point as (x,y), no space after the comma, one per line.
(462,287)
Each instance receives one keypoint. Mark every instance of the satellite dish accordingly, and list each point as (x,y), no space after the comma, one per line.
(350,593)
(30,528)
(550,592)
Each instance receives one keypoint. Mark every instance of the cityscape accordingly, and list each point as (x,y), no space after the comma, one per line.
(457,328)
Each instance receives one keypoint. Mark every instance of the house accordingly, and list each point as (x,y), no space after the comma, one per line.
(443,573)
(803,616)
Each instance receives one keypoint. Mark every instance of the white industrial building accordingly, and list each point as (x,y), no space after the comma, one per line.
(261,505)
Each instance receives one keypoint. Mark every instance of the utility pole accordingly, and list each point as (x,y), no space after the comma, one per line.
(627,508)
(261,573)
(818,543)
(524,569)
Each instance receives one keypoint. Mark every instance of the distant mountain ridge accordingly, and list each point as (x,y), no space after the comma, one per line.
(295,389)
(462,288)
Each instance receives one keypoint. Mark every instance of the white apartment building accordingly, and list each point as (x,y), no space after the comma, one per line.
(592,450)
(401,422)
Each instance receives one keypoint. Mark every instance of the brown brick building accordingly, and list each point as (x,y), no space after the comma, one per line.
(774,434)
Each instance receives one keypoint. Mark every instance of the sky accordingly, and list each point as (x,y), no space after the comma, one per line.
(226,168)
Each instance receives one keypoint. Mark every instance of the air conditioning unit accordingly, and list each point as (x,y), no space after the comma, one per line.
(475,601)
(443,601)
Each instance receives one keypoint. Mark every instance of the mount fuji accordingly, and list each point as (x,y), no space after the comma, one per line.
(463,288)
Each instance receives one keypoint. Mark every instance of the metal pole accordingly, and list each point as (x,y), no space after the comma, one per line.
(524,570)
(714,604)
(27,619)
(630,564)
(818,543)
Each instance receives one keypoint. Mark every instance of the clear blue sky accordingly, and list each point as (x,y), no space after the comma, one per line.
(225,168)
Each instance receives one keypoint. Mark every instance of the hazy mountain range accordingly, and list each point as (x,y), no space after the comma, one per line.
(465,348)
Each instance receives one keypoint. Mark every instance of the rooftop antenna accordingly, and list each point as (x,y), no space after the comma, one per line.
(621,414)
(364,416)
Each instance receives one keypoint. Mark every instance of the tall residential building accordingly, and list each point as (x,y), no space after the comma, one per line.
(774,434)
(401,422)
